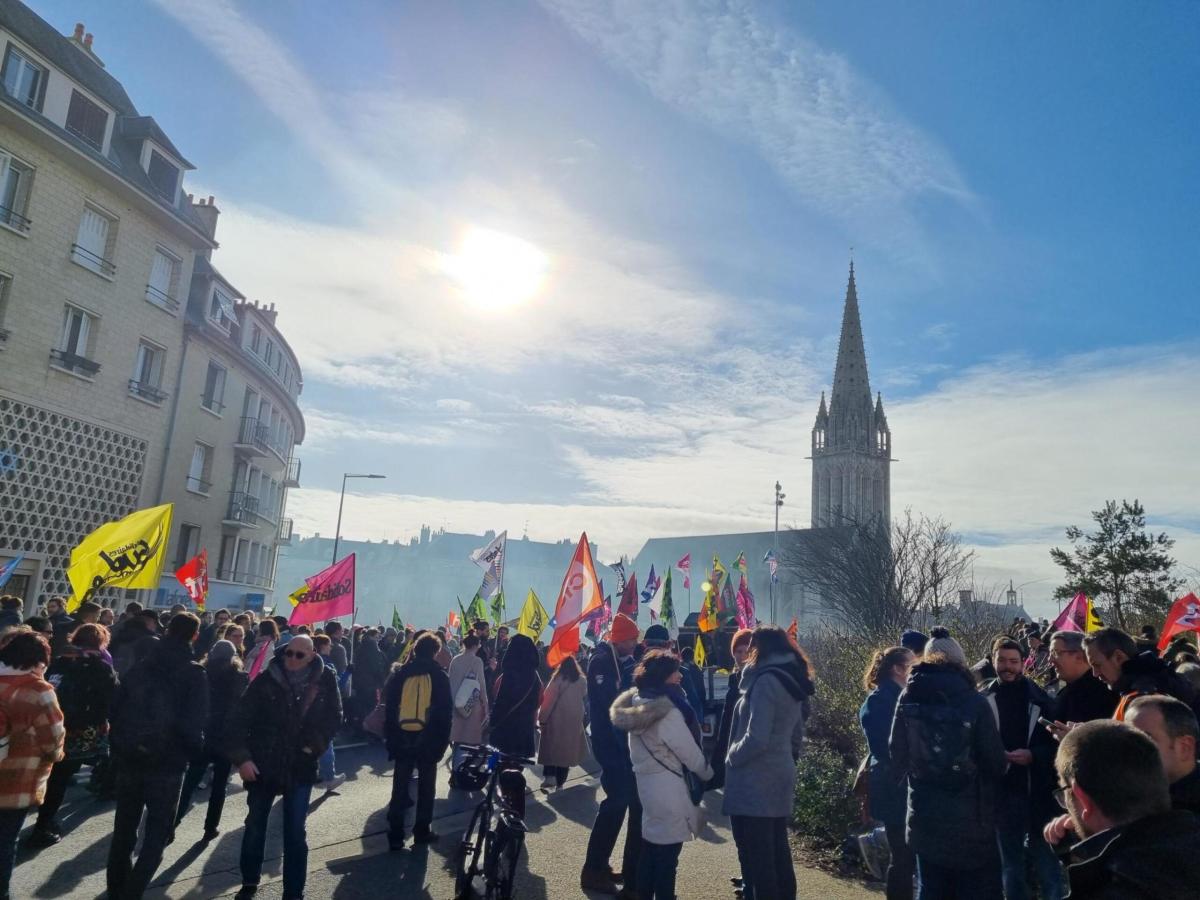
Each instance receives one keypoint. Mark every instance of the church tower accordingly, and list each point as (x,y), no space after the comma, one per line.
(851,441)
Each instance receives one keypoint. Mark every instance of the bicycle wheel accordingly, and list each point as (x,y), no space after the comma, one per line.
(471,853)
(502,863)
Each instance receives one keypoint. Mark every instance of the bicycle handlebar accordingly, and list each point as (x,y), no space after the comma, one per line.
(488,748)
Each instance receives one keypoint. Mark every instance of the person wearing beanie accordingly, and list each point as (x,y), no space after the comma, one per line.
(609,673)
(945,740)
(915,641)
(657,638)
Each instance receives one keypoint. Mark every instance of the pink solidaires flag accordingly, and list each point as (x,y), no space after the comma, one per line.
(578,597)
(685,566)
(330,594)
(1079,615)
(745,606)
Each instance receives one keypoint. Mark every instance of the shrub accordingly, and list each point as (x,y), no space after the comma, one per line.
(824,809)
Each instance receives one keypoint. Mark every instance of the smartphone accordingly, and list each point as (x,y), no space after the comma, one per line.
(1045,723)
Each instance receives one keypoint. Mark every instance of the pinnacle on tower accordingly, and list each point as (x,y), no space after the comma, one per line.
(850,382)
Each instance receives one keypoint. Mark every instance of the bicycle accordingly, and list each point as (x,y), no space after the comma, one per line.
(491,845)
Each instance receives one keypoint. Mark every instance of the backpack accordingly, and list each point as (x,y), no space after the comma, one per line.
(940,741)
(416,695)
(142,720)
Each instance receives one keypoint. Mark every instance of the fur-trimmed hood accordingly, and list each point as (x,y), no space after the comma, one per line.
(635,713)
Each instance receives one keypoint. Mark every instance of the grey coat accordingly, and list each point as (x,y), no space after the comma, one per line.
(765,739)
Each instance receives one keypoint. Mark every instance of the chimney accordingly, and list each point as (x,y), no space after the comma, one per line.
(82,39)
(78,36)
(87,42)
(206,211)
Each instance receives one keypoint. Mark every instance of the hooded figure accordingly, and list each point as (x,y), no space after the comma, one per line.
(513,720)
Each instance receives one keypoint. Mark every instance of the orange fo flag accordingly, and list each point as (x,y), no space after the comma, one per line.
(578,597)
(1184,616)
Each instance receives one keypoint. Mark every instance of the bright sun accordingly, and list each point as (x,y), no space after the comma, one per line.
(495,270)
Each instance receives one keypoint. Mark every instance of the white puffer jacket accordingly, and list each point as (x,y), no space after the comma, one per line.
(661,746)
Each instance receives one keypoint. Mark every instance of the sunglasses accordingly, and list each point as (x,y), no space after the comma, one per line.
(295,654)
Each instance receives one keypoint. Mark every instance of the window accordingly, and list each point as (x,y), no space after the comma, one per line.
(92,245)
(255,338)
(269,355)
(164,280)
(77,334)
(200,472)
(5,286)
(15,180)
(163,175)
(147,372)
(189,544)
(24,79)
(220,310)
(87,120)
(214,388)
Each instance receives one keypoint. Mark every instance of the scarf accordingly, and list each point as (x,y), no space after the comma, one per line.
(675,693)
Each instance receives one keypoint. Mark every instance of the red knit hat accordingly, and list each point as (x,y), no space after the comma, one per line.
(623,629)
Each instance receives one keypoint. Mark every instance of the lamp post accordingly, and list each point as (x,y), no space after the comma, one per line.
(779,495)
(338,533)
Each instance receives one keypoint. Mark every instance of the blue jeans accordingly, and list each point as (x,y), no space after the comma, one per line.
(11,821)
(1016,839)
(326,763)
(943,883)
(295,842)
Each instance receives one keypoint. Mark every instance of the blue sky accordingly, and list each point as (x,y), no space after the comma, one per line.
(1018,183)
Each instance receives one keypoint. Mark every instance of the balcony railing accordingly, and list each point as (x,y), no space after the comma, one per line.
(72,362)
(93,261)
(243,508)
(285,531)
(292,477)
(147,391)
(161,298)
(14,219)
(228,574)
(198,485)
(253,435)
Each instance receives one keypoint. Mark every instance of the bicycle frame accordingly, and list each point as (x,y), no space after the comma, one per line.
(496,831)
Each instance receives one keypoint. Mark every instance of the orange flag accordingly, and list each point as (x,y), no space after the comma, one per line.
(578,597)
(794,630)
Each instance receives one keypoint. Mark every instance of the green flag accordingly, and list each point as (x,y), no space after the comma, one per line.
(666,609)
(463,625)
(396,621)
(498,609)
(477,611)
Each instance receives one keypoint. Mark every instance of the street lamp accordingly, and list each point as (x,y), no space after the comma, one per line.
(338,533)
(779,495)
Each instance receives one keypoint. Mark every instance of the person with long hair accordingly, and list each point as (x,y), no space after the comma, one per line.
(513,722)
(664,739)
(468,691)
(765,740)
(739,649)
(885,677)
(85,684)
(561,717)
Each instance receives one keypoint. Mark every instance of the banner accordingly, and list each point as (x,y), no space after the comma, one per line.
(330,594)
(476,611)
(397,622)
(708,607)
(651,587)
(664,607)
(498,610)
(1184,616)
(740,563)
(1080,615)
(298,594)
(629,598)
(772,565)
(127,554)
(533,617)
(193,575)
(619,568)
(685,566)
(699,657)
(745,606)
(491,560)
(578,596)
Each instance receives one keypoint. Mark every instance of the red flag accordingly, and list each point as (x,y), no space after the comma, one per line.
(629,598)
(1184,616)
(685,566)
(193,575)
(330,594)
(794,630)
(578,596)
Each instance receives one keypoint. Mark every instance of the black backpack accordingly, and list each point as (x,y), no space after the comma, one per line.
(144,717)
(940,740)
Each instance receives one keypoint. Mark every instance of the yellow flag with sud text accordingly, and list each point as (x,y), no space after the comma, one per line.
(297,595)
(128,554)
(533,617)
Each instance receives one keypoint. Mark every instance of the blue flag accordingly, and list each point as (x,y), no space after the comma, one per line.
(651,588)
(6,571)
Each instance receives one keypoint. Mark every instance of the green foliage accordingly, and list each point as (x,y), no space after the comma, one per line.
(824,809)
(839,660)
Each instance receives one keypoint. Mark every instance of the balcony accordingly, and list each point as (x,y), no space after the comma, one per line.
(285,531)
(146,391)
(242,511)
(237,577)
(73,363)
(252,439)
(292,477)
(161,299)
(93,261)
(14,220)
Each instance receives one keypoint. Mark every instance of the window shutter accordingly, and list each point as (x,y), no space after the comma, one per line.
(162,272)
(93,232)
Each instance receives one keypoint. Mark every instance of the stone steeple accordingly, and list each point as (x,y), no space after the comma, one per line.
(851,442)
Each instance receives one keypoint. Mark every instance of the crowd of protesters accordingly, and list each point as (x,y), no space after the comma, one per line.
(1063,761)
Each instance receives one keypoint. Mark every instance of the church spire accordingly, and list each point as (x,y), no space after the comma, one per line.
(850,382)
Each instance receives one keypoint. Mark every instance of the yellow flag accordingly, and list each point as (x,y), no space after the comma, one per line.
(295,596)
(1093,620)
(128,553)
(533,617)
(699,657)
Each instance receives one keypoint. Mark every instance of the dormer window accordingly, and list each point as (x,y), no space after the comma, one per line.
(164,175)
(23,78)
(220,310)
(87,120)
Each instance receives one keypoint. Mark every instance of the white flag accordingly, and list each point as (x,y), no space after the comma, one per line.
(491,560)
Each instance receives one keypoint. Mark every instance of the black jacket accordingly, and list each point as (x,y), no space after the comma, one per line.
(1037,780)
(1084,699)
(370,670)
(436,736)
(63,625)
(606,678)
(888,793)
(9,618)
(1147,674)
(953,825)
(170,662)
(1185,793)
(1155,858)
(85,685)
(721,741)
(283,734)
(226,685)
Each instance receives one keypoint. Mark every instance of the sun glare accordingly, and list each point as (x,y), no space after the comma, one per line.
(495,270)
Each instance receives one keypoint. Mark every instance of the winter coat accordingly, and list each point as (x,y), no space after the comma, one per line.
(693,686)
(766,737)
(888,791)
(85,685)
(660,747)
(951,824)
(1037,780)
(370,671)
(513,721)
(1185,793)
(1155,858)
(436,736)
(1148,674)
(606,678)
(226,685)
(1084,699)
(63,625)
(36,734)
(468,729)
(282,734)
(9,618)
(561,719)
(721,742)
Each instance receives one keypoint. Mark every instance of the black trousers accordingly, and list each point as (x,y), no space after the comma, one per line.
(762,845)
(558,773)
(56,790)
(620,797)
(657,866)
(157,793)
(903,865)
(401,801)
(221,768)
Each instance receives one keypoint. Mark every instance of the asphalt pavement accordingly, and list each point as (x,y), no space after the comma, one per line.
(349,857)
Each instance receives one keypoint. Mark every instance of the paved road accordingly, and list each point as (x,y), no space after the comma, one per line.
(349,858)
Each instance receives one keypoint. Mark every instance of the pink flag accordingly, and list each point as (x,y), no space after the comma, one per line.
(1074,617)
(685,566)
(745,606)
(330,594)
